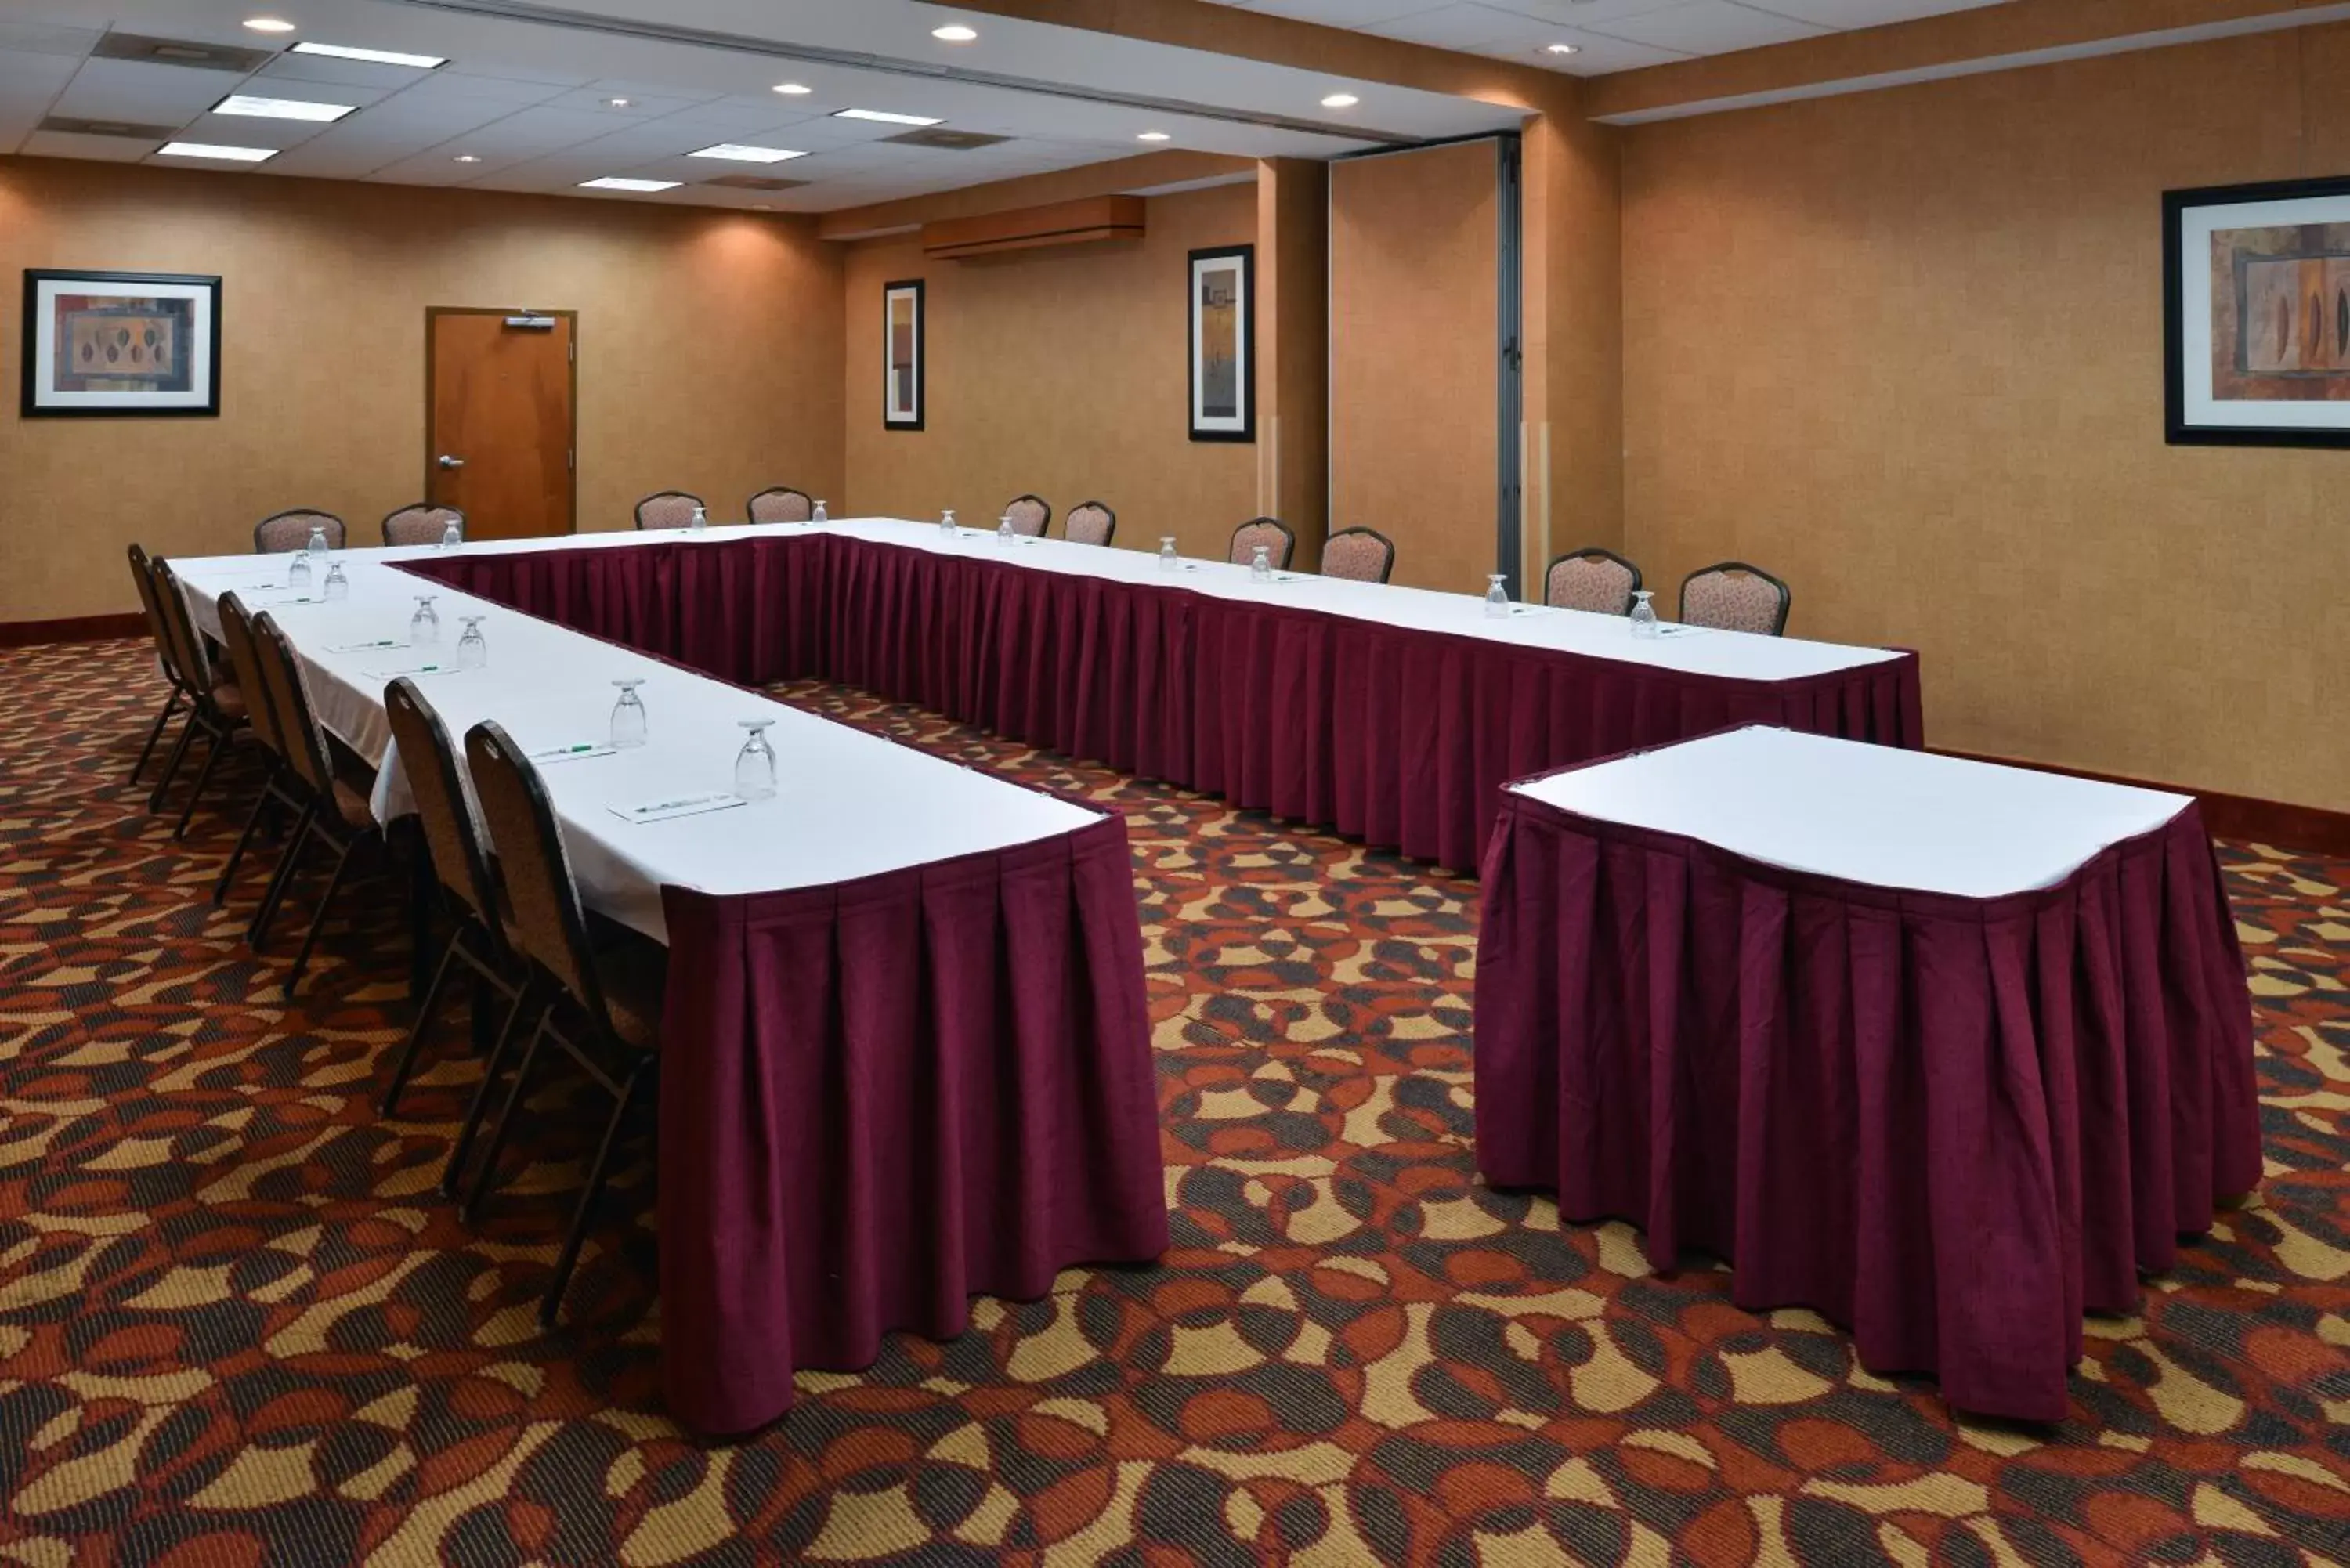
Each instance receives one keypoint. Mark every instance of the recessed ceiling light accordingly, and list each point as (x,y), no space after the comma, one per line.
(373,56)
(794,89)
(954,33)
(615,182)
(211,150)
(618,102)
(1340,100)
(741,154)
(269,24)
(1152,136)
(885,117)
(467,158)
(1562,49)
(282,107)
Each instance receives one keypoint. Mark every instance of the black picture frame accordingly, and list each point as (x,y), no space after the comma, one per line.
(36,398)
(896,416)
(2180,427)
(1240,426)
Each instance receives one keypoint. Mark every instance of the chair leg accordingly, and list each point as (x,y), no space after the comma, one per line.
(472,1206)
(407,1062)
(258,932)
(245,840)
(568,1258)
(455,1170)
(318,917)
(171,763)
(214,750)
(170,706)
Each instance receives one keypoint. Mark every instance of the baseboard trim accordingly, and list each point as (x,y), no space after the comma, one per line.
(79,629)
(2309,828)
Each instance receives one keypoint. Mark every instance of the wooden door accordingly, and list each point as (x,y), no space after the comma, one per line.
(501,407)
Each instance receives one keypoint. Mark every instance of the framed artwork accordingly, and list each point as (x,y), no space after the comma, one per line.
(2256,286)
(120,345)
(902,350)
(1223,326)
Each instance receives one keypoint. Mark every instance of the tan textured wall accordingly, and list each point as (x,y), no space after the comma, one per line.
(1060,372)
(1905,349)
(1414,249)
(709,350)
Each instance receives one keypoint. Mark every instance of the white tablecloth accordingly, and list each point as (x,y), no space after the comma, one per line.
(849,804)
(1872,814)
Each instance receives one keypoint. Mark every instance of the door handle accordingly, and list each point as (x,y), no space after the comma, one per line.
(448,462)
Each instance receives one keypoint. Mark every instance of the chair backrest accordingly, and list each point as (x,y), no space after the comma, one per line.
(1030,514)
(1731,596)
(1358,554)
(179,632)
(300,741)
(667,509)
(143,574)
(779,503)
(1592,578)
(421,523)
(1091,523)
(428,756)
(1279,543)
(528,841)
(244,664)
(284,530)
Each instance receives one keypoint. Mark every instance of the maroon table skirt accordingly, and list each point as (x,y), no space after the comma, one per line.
(882,1097)
(1953,1125)
(1398,737)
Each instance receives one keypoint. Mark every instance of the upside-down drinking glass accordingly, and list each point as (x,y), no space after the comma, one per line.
(337,586)
(424,626)
(472,647)
(629,727)
(754,765)
(317,544)
(453,533)
(1261,565)
(947,523)
(1004,534)
(297,575)
(1497,597)
(700,520)
(1644,614)
(1168,559)
(819,515)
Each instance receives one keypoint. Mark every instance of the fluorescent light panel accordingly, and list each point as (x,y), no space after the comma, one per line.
(282,107)
(615,182)
(884,117)
(212,150)
(736,154)
(374,57)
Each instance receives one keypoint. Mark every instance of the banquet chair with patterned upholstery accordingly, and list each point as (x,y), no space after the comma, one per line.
(1592,578)
(1359,555)
(421,522)
(1731,596)
(1030,514)
(605,999)
(667,509)
(482,938)
(335,810)
(216,707)
(1091,523)
(1272,533)
(281,788)
(779,503)
(282,533)
(142,576)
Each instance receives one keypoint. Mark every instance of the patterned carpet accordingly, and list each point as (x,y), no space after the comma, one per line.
(237,1328)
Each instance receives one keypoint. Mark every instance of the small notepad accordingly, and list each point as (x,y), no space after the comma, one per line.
(675,807)
(439,667)
(1674,628)
(578,753)
(378,646)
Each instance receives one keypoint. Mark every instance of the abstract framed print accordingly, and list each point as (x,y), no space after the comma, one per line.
(120,345)
(903,345)
(2256,288)
(1223,326)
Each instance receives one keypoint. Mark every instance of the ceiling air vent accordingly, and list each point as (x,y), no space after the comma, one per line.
(181,52)
(755,182)
(946,141)
(71,126)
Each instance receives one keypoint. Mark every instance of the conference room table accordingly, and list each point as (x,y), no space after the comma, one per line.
(1948,1052)
(905,1055)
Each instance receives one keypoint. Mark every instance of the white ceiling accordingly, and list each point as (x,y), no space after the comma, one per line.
(1608,35)
(530,97)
